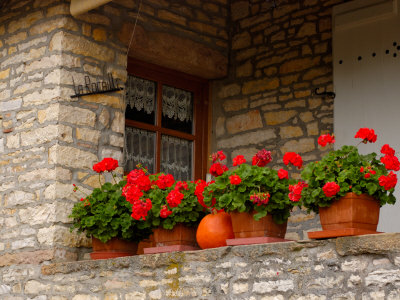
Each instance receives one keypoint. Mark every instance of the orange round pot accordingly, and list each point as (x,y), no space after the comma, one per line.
(351,211)
(113,248)
(179,235)
(244,226)
(214,230)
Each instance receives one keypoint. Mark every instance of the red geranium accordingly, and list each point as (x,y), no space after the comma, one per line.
(165,181)
(217,169)
(174,198)
(391,162)
(235,179)
(260,198)
(200,185)
(293,158)
(140,209)
(389,181)
(295,191)
(107,164)
(367,135)
(386,149)
(238,160)
(132,193)
(262,158)
(330,189)
(325,139)
(165,212)
(283,174)
(218,156)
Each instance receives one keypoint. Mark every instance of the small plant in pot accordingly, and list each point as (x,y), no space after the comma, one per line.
(105,216)
(347,188)
(254,195)
(169,207)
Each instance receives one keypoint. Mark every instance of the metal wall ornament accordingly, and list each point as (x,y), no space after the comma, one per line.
(100,87)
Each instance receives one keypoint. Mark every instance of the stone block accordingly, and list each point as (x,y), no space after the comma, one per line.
(88,135)
(220,126)
(41,214)
(297,65)
(307,29)
(19,198)
(26,243)
(25,22)
(260,85)
(229,90)
(77,116)
(250,138)
(239,10)
(241,40)
(290,132)
(135,296)
(240,288)
(71,157)
(302,146)
(107,100)
(244,122)
(279,117)
(4,74)
(63,41)
(118,123)
(272,286)
(117,141)
(13,141)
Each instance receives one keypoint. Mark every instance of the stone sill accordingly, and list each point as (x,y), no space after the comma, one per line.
(385,243)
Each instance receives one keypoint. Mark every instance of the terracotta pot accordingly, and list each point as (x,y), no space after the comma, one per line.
(147,243)
(179,235)
(351,211)
(244,226)
(113,248)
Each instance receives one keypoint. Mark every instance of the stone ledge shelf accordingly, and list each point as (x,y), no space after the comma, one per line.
(361,267)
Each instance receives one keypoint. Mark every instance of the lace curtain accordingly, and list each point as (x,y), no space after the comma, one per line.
(139,148)
(177,104)
(176,157)
(141,94)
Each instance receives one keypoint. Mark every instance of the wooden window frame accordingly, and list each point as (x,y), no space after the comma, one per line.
(200,89)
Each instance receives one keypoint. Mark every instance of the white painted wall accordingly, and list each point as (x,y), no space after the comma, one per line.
(368,90)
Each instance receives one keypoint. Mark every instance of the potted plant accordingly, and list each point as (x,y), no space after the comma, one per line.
(170,207)
(256,196)
(347,188)
(105,216)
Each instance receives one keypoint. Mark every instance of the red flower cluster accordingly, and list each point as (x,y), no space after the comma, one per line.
(283,174)
(174,198)
(108,164)
(200,185)
(386,149)
(138,177)
(260,198)
(165,181)
(218,156)
(181,185)
(262,158)
(235,179)
(389,181)
(367,135)
(293,158)
(330,189)
(238,160)
(390,161)
(140,209)
(325,139)
(295,191)
(132,193)
(217,169)
(165,212)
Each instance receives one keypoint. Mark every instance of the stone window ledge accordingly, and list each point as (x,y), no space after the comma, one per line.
(387,244)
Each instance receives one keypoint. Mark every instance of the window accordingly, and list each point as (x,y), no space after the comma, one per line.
(166,121)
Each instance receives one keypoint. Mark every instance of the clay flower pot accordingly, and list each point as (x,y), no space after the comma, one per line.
(351,211)
(113,248)
(179,235)
(244,226)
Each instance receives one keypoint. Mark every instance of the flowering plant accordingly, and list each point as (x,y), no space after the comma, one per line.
(252,187)
(346,170)
(159,200)
(104,213)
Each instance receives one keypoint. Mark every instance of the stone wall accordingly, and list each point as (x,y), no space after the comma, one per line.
(48,139)
(279,56)
(349,268)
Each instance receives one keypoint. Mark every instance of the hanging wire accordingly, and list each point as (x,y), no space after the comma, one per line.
(134,27)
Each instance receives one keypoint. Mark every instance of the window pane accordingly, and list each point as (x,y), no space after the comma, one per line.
(139,149)
(177,109)
(176,157)
(141,98)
